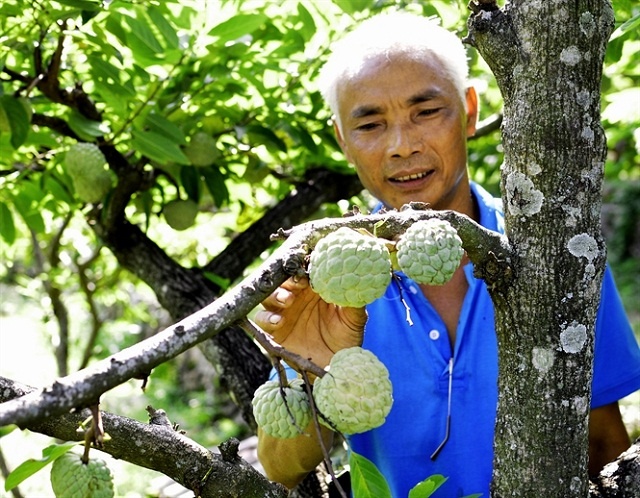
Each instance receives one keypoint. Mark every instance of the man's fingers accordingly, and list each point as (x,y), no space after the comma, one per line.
(284,295)
(296,283)
(268,320)
(278,299)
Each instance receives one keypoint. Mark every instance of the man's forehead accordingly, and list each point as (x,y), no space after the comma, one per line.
(363,109)
(385,75)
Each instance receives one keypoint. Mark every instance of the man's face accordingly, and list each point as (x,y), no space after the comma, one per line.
(404,127)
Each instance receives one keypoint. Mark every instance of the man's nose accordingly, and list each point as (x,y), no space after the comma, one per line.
(404,141)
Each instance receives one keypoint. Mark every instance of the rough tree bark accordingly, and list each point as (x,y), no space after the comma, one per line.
(547,58)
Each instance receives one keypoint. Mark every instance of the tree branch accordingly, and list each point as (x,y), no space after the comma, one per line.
(620,478)
(159,447)
(85,387)
(320,186)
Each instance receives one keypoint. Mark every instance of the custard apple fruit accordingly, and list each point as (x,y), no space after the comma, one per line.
(180,214)
(430,251)
(86,166)
(202,150)
(282,417)
(83,158)
(348,268)
(355,395)
(71,478)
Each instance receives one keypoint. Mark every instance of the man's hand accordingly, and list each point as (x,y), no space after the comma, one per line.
(300,321)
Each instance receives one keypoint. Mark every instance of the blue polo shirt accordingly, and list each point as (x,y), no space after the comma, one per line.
(420,359)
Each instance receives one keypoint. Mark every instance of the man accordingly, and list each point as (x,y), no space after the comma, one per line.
(397,87)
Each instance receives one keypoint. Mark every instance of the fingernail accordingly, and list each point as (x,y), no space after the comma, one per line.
(274,319)
(281,296)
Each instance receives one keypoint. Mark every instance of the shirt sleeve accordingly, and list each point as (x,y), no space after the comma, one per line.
(616,365)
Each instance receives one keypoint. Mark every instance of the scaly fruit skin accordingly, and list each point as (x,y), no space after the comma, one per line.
(430,251)
(355,395)
(83,158)
(271,412)
(70,478)
(86,164)
(180,214)
(202,150)
(348,268)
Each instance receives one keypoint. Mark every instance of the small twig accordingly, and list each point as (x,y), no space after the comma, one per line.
(88,291)
(315,414)
(282,374)
(274,349)
(144,105)
(487,126)
(284,382)
(94,434)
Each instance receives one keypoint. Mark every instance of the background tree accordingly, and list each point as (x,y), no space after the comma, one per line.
(145,82)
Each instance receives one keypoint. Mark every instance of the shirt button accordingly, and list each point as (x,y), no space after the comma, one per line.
(434,335)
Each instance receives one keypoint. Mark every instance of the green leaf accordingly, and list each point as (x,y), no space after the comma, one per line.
(7,226)
(221,282)
(216,185)
(190,179)
(156,146)
(7,429)
(166,29)
(163,126)
(140,29)
(29,467)
(237,26)
(32,217)
(366,479)
(85,128)
(308,24)
(58,190)
(427,487)
(82,4)
(18,117)
(110,76)
(352,6)
(263,135)
(627,26)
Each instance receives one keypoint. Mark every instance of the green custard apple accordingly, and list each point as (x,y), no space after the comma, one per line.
(355,395)
(282,417)
(430,251)
(348,268)
(71,478)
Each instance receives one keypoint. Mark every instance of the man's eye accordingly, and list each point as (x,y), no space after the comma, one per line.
(367,126)
(428,112)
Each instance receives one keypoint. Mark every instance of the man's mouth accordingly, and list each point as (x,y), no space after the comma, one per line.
(412,177)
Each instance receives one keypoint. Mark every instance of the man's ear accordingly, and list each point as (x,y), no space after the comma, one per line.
(341,141)
(472,110)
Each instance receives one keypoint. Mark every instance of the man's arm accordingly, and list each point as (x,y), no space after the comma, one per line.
(607,437)
(296,318)
(288,461)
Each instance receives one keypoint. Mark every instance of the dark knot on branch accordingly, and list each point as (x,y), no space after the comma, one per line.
(229,450)
(477,6)
(495,270)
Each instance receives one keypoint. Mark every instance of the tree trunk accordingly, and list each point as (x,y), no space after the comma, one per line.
(547,58)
